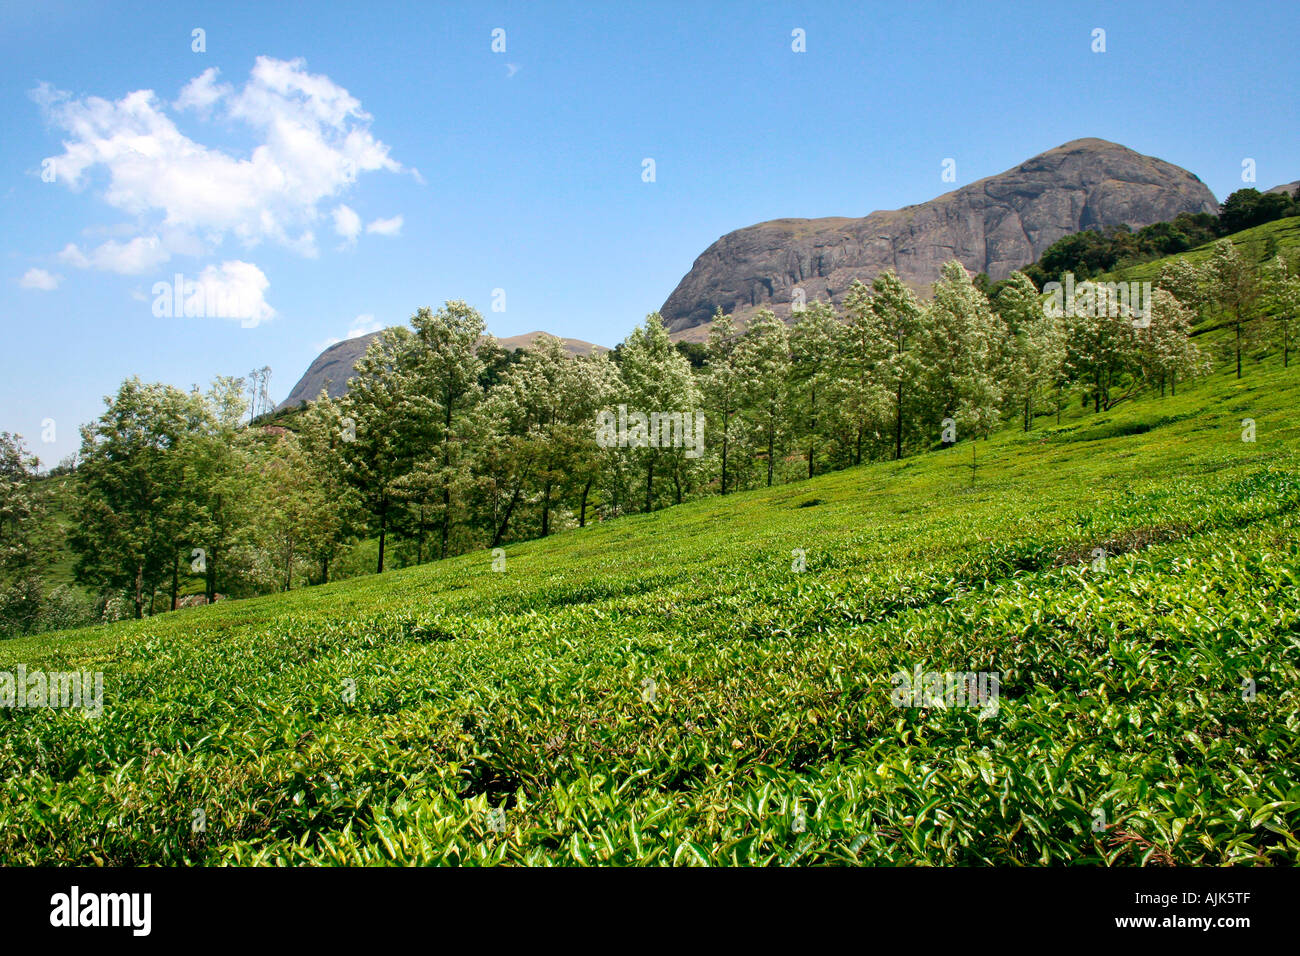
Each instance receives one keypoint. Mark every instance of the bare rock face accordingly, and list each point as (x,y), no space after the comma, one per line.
(333,367)
(995,225)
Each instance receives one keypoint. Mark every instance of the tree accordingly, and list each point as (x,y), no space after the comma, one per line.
(721,386)
(444,391)
(867,391)
(382,434)
(293,513)
(1101,348)
(1186,282)
(506,460)
(816,350)
(220,484)
(1165,348)
(598,385)
(657,380)
(559,411)
(1233,287)
(1033,348)
(1282,292)
(763,358)
(24,539)
(132,491)
(1249,207)
(960,353)
(899,316)
(549,401)
(322,438)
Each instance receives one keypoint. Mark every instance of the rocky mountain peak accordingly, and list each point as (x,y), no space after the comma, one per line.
(994,225)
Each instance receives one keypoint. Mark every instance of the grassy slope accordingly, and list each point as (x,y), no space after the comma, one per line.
(1256,244)
(526,689)
(1284,234)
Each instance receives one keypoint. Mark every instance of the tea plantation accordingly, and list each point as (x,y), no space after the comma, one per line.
(672,689)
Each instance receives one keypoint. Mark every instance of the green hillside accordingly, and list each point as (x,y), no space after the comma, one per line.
(667,688)
(1257,244)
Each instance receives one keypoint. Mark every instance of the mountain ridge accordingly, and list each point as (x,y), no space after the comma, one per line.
(994,225)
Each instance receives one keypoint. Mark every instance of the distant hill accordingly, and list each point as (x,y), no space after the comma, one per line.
(1257,244)
(995,225)
(333,367)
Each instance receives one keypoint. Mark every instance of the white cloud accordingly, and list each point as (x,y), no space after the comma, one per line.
(127,258)
(386,227)
(347,224)
(363,324)
(202,92)
(313,140)
(40,279)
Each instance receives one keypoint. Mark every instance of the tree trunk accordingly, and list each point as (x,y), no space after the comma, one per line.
(1238,328)
(324,569)
(812,434)
(546,509)
(898,423)
(176,577)
(726,421)
(446,520)
(582,514)
(210,560)
(139,591)
(446,473)
(383,534)
(649,483)
(505,519)
(771,450)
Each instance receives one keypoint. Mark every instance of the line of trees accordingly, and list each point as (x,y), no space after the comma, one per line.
(445,443)
(1091,252)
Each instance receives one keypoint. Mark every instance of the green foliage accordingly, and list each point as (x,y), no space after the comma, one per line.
(136,481)
(1090,254)
(24,511)
(666,689)
(445,443)
(1249,207)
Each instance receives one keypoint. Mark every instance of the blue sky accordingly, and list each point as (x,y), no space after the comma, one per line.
(282,175)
